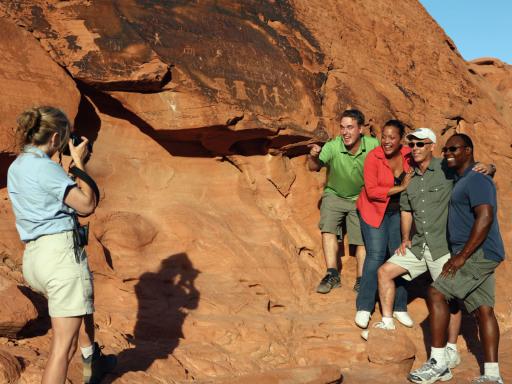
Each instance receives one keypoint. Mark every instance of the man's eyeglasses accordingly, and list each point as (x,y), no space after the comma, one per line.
(452,148)
(419,144)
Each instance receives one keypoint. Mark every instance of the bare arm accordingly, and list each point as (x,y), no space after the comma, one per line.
(405,229)
(486,169)
(403,185)
(313,160)
(80,198)
(484,217)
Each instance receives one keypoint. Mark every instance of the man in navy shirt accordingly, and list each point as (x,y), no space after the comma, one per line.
(477,249)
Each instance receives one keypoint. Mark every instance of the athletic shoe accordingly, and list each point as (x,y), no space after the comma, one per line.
(357,284)
(97,365)
(362,319)
(403,318)
(380,325)
(453,357)
(487,379)
(429,373)
(330,281)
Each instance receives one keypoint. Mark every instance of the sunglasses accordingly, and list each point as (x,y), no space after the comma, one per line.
(452,148)
(419,144)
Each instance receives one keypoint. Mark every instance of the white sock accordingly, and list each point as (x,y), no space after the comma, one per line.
(439,354)
(388,321)
(451,346)
(87,351)
(492,369)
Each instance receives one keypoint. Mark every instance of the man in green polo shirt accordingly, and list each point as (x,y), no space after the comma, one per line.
(344,157)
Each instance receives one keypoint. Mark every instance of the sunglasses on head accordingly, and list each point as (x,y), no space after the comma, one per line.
(452,148)
(419,144)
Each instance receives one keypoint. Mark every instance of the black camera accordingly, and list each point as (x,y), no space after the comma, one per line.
(76,140)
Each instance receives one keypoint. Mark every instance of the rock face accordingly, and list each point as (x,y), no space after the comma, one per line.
(10,368)
(205,244)
(16,311)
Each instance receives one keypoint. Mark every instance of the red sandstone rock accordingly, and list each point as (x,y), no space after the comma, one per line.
(15,312)
(391,348)
(10,368)
(299,375)
(29,77)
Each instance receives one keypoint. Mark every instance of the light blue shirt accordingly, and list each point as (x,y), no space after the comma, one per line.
(37,187)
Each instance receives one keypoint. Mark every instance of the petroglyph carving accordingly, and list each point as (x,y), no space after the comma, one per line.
(157,39)
(240,92)
(189,51)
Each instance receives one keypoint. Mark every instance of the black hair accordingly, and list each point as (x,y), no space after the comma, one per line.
(397,124)
(355,114)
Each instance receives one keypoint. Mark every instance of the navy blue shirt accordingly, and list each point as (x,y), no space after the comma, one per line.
(471,190)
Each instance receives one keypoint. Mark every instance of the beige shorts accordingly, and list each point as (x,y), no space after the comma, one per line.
(51,268)
(416,267)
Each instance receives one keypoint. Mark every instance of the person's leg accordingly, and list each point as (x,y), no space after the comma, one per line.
(387,289)
(355,235)
(435,267)
(376,244)
(330,248)
(455,322)
(394,241)
(65,330)
(439,317)
(331,216)
(332,213)
(86,334)
(489,332)
(360,257)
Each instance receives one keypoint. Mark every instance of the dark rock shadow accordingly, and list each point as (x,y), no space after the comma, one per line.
(6,159)
(42,324)
(164,299)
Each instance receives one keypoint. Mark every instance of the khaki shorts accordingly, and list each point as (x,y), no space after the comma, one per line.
(333,211)
(474,282)
(416,267)
(50,267)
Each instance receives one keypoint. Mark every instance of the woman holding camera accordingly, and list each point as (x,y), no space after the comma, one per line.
(45,201)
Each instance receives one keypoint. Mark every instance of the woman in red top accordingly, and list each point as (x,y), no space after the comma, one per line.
(387,173)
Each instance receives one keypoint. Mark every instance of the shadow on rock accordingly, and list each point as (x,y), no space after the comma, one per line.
(164,299)
(42,324)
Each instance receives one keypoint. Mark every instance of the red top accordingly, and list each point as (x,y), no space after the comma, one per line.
(378,180)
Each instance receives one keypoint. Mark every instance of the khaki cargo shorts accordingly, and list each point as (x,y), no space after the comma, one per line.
(333,211)
(474,282)
(50,267)
(416,267)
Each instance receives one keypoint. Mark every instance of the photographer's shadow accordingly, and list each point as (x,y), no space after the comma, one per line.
(164,298)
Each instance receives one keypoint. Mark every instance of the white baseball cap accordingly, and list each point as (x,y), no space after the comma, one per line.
(422,133)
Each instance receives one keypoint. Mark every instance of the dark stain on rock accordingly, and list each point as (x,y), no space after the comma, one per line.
(72,45)
(40,23)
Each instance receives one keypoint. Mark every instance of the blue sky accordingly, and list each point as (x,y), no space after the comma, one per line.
(479,28)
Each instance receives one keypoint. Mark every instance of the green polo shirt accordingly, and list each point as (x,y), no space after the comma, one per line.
(345,170)
(427,197)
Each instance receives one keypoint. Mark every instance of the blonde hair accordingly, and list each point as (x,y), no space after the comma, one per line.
(37,125)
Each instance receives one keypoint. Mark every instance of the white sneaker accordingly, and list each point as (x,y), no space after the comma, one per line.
(380,325)
(453,357)
(404,318)
(487,379)
(429,373)
(362,319)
